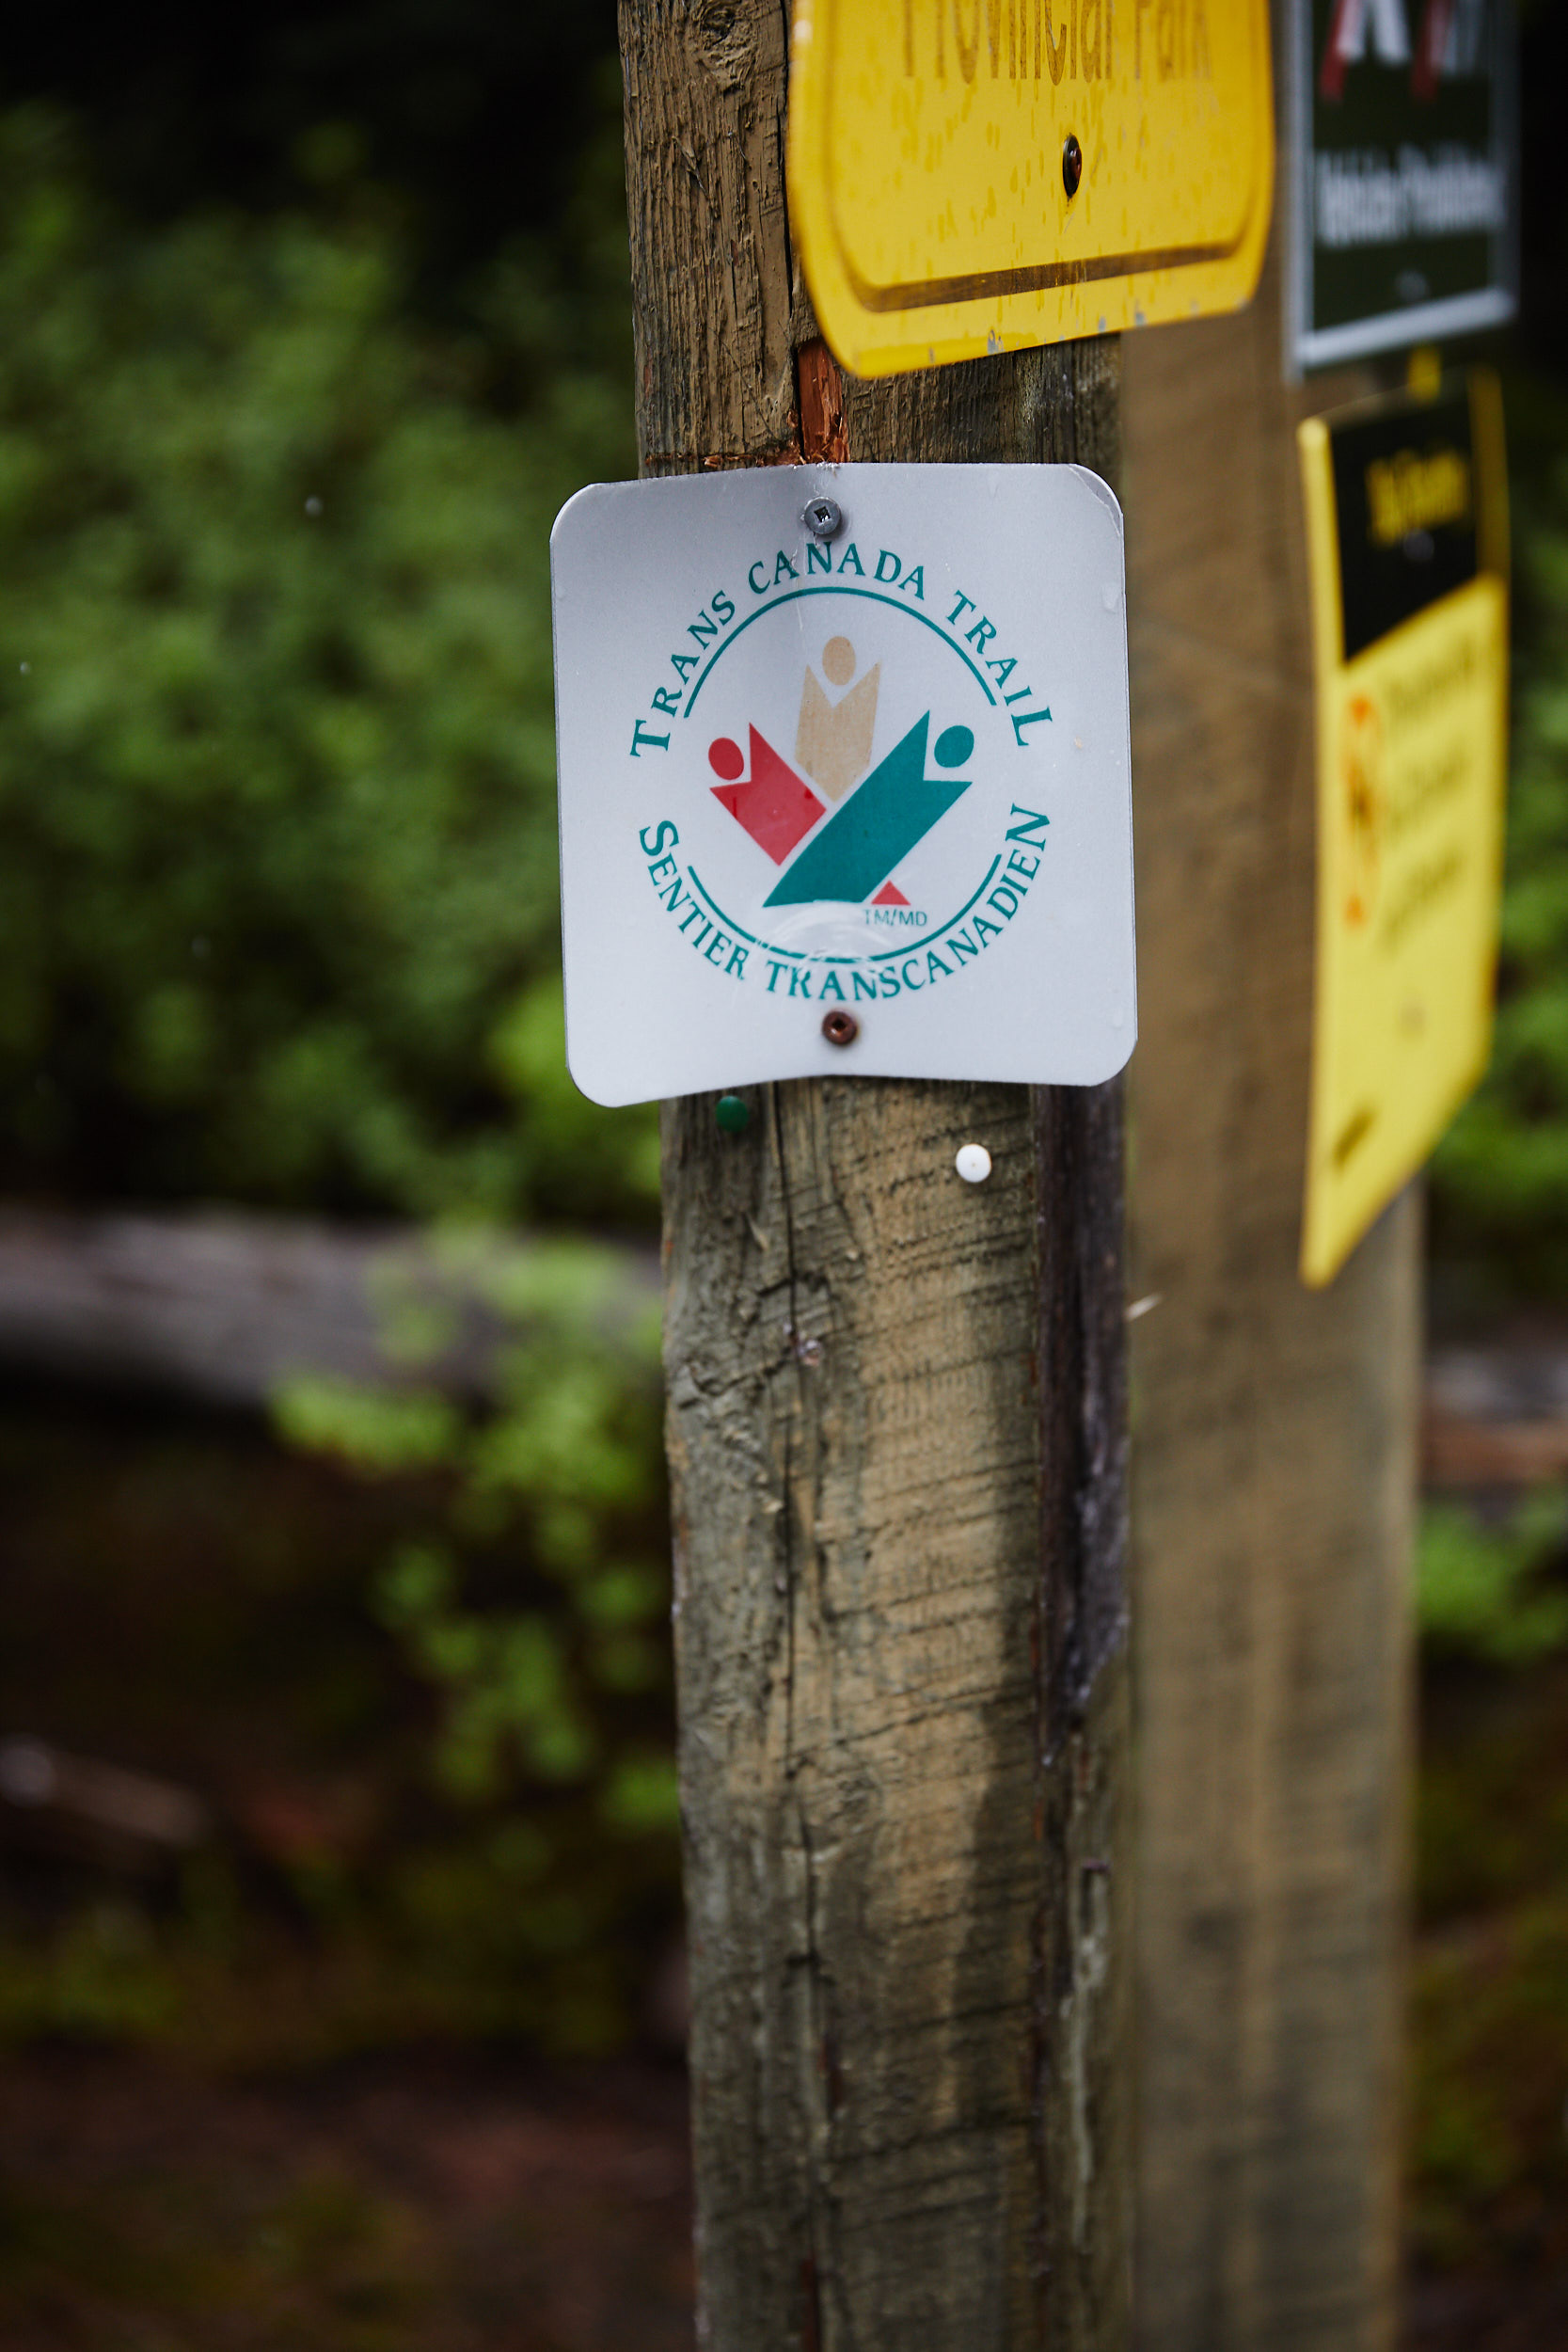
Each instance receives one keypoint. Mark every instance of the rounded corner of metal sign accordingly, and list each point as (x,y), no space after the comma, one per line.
(1314,1271)
(989,276)
(1104,495)
(598,1086)
(592,494)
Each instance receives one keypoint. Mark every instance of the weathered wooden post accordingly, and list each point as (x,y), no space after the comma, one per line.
(1276,1435)
(896,1435)
(1278,1425)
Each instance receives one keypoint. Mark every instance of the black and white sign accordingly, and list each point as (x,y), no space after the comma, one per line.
(1403,190)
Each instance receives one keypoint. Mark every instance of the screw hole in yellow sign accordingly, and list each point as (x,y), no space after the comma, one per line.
(971,176)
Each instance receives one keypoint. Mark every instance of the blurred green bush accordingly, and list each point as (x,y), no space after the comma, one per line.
(278,872)
(536,1611)
(417,1668)
(1489,1991)
(553,1479)
(278,923)
(1482,1589)
(1499,1179)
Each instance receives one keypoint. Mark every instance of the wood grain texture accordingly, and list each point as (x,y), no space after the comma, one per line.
(1276,1430)
(896,1434)
(909,2041)
(710,277)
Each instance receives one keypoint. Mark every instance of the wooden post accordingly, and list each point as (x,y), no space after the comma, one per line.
(1276,1457)
(896,1439)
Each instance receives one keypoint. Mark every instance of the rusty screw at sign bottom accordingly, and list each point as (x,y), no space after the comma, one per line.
(839,1028)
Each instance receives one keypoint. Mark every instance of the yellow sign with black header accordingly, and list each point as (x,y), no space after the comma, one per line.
(1407,535)
(972,176)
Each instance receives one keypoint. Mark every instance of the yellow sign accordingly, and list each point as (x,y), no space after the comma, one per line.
(1407,536)
(970,176)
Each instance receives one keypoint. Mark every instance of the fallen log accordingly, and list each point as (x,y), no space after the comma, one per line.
(1496,1413)
(219,1306)
(222,1307)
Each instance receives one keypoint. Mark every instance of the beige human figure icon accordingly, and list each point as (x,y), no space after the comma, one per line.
(834,743)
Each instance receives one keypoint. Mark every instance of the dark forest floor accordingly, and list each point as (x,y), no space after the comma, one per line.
(423,2202)
(256,2103)
(442,2202)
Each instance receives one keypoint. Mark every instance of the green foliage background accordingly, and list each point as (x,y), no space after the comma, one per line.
(277,896)
(1499,1179)
(279,924)
(280,443)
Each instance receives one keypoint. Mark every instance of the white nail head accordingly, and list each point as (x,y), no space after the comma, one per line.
(973,1163)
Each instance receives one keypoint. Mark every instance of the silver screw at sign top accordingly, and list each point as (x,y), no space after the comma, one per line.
(823,517)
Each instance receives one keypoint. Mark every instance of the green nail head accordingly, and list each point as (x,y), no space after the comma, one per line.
(733,1114)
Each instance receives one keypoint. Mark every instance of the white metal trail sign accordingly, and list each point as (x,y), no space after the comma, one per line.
(844,777)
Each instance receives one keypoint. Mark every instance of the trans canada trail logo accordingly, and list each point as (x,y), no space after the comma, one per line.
(850,793)
(850,854)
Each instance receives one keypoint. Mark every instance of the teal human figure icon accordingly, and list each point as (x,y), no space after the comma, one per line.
(897,806)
